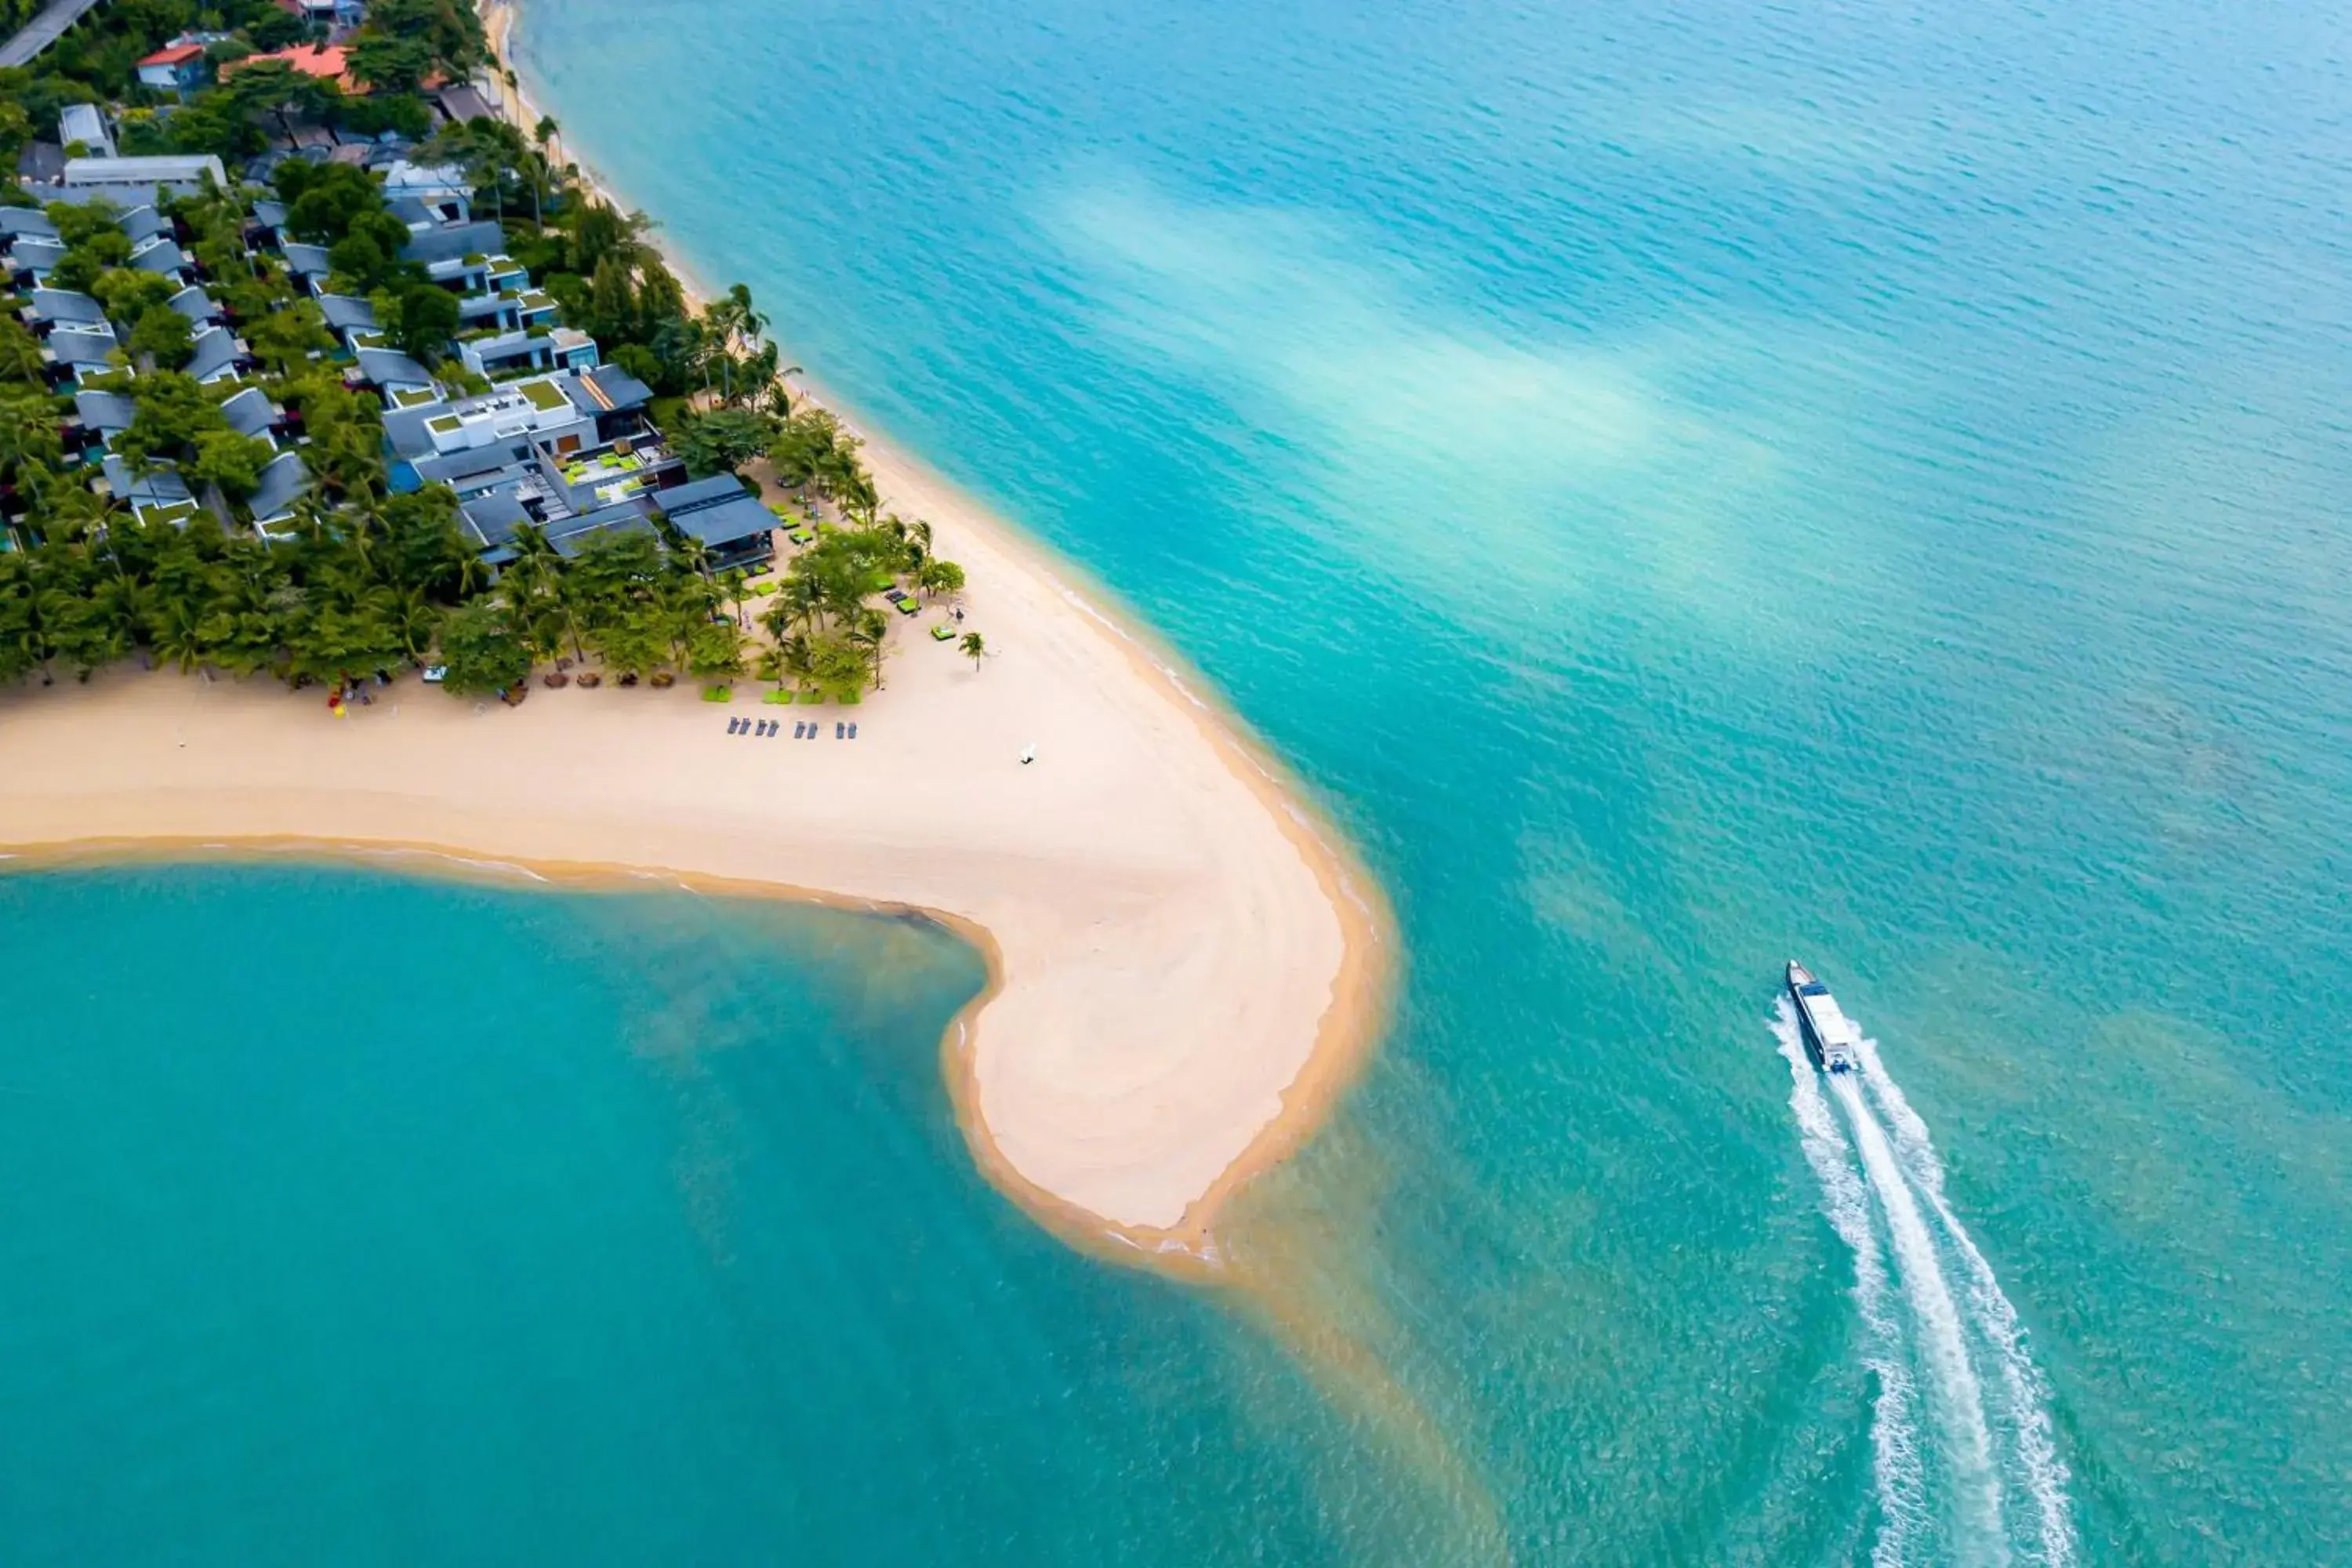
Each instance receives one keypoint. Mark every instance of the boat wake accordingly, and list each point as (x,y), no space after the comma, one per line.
(1964,1463)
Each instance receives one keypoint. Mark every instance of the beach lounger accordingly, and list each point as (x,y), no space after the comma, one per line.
(852,732)
(734,725)
(797,728)
(837,728)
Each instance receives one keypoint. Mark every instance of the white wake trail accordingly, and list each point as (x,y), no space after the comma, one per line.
(1895,1465)
(1943,1337)
(2027,1394)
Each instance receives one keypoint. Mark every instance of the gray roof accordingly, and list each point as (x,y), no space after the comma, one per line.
(82,123)
(195,304)
(105,411)
(163,485)
(270,214)
(143,222)
(492,519)
(250,412)
(477,468)
(310,260)
(462,103)
(478,305)
(346,311)
(404,432)
(35,253)
(42,162)
(65,305)
(386,367)
(216,349)
(282,482)
(620,391)
(26,220)
(76,345)
(715,510)
(410,211)
(458,239)
(163,256)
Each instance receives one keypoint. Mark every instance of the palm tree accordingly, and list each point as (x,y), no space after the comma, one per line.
(688,550)
(413,620)
(935,577)
(178,636)
(800,602)
(794,660)
(735,583)
(870,630)
(974,646)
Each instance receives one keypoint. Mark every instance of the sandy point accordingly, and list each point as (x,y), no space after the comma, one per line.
(1187,964)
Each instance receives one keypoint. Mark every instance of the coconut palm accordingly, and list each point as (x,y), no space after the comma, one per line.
(973,647)
(869,629)
(936,577)
(179,638)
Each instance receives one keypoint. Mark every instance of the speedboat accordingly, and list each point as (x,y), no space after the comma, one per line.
(1830,1037)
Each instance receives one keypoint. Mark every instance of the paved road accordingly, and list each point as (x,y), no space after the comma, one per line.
(43,30)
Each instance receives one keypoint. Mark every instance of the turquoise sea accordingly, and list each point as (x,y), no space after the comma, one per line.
(1687,485)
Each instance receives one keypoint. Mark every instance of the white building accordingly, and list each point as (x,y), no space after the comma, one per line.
(82,123)
(131,181)
(537,408)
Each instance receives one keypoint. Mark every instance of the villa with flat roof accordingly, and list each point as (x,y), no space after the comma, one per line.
(136,179)
(733,525)
(561,441)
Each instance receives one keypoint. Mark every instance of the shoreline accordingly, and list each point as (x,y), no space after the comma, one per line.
(1367,971)
(1232,951)
(1188,1249)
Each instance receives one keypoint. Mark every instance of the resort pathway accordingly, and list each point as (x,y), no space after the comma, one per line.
(42,31)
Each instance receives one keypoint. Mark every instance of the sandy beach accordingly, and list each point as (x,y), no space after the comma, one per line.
(1187,964)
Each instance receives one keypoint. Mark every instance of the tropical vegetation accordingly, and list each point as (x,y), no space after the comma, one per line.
(365,582)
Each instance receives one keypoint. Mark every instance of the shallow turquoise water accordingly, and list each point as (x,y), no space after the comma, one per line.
(348,1217)
(1689,484)
(1694,483)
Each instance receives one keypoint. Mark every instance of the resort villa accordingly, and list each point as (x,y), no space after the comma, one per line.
(83,126)
(561,441)
(129,180)
(178,67)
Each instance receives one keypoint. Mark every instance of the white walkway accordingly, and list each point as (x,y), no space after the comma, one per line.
(42,31)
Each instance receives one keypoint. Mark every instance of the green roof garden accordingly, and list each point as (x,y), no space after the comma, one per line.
(545,396)
(446,425)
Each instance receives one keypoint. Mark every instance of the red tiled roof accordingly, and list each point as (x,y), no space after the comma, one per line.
(323,61)
(175,55)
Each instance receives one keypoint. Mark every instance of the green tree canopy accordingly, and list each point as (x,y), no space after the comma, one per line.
(129,293)
(421,321)
(166,335)
(169,412)
(723,440)
(229,459)
(483,651)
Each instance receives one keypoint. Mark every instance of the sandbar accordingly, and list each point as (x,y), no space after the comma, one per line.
(1188,964)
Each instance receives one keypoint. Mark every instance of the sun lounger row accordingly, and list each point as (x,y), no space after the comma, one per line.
(805,731)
